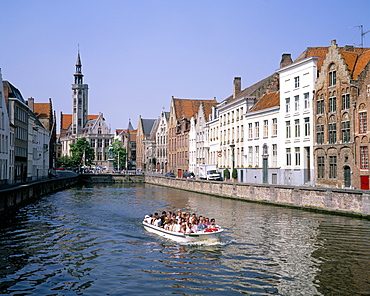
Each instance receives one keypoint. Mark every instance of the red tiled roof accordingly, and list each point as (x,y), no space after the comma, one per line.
(67,120)
(268,100)
(189,107)
(42,110)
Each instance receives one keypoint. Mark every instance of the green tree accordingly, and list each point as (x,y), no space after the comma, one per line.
(65,161)
(226,174)
(82,149)
(120,154)
(234,174)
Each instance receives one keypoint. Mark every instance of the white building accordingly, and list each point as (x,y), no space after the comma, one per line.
(261,140)
(4,138)
(295,127)
(161,139)
(38,149)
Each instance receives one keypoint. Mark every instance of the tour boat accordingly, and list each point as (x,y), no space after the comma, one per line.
(207,235)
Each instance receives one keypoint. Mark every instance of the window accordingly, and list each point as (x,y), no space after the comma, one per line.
(288,157)
(307,126)
(306,100)
(265,128)
(364,155)
(297,156)
(250,131)
(296,82)
(320,133)
(320,167)
(92,143)
(250,156)
(332,76)
(287,105)
(274,126)
(297,129)
(100,143)
(345,101)
(320,107)
(363,122)
(257,155)
(287,129)
(345,131)
(257,130)
(274,155)
(332,167)
(332,104)
(296,103)
(332,133)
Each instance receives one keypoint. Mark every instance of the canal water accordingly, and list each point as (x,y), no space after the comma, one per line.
(90,241)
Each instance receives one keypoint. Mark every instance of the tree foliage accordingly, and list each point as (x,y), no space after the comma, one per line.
(65,161)
(79,149)
(234,174)
(120,154)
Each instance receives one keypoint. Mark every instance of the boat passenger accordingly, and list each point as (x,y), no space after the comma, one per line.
(158,221)
(207,222)
(183,228)
(201,225)
(176,226)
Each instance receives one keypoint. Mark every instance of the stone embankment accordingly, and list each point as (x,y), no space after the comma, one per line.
(16,196)
(339,201)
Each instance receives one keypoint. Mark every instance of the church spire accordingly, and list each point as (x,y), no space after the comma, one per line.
(78,75)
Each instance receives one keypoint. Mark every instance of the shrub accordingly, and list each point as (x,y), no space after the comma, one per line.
(226,174)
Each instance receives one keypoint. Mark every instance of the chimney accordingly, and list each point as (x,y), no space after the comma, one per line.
(237,86)
(30,103)
(286,59)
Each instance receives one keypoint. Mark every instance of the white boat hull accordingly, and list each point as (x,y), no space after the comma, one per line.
(184,237)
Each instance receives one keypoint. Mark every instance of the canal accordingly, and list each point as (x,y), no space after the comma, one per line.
(90,241)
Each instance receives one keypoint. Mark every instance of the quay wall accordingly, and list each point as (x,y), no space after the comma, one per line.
(23,194)
(113,178)
(332,200)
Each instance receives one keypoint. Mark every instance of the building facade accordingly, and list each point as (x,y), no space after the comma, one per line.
(5,172)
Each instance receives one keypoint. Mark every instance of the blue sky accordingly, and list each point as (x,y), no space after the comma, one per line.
(137,54)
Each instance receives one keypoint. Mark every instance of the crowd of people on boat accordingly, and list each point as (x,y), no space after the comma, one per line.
(181,222)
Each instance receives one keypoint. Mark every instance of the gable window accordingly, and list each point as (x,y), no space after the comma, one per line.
(296,82)
(332,75)
(332,167)
(363,122)
(320,167)
(345,131)
(364,155)
(345,101)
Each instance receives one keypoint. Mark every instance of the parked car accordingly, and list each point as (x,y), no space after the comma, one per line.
(170,175)
(188,175)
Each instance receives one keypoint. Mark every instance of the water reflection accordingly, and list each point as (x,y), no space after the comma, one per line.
(90,241)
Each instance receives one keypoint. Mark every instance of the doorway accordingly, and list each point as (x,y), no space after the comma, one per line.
(364,182)
(347,176)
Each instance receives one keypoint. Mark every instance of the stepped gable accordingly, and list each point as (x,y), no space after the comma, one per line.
(268,100)
(355,58)
(189,107)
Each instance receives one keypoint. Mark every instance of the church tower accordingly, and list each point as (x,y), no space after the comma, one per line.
(79,100)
